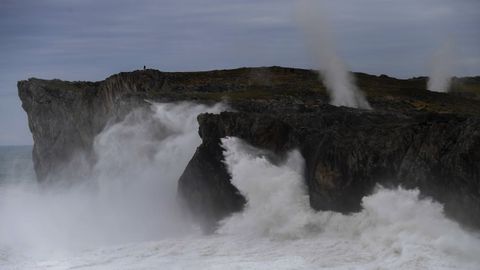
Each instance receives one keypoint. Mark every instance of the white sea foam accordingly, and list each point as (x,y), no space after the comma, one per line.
(277,229)
(129,195)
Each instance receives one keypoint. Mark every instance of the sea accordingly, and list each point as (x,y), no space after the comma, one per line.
(123,212)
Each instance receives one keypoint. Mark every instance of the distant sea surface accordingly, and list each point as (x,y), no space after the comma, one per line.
(16,163)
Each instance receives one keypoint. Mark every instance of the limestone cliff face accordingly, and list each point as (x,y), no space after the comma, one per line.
(61,120)
(412,138)
(64,117)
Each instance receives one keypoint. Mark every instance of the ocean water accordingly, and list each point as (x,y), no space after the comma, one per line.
(123,213)
(16,164)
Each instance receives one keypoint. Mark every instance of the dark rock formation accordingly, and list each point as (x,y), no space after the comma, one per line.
(64,117)
(205,182)
(413,138)
(348,152)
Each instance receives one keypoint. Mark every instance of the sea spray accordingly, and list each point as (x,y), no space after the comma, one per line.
(277,230)
(441,69)
(338,81)
(129,195)
(395,229)
(277,203)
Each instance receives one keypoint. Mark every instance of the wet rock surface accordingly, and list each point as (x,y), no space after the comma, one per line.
(349,152)
(413,138)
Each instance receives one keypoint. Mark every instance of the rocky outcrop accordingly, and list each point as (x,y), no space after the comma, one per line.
(348,152)
(205,184)
(413,138)
(64,117)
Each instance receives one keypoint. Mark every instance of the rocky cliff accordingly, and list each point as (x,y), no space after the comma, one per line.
(413,137)
(348,152)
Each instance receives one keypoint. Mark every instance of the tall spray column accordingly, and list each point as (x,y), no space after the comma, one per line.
(338,81)
(441,69)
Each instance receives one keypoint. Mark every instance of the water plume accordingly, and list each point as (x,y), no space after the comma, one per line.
(127,203)
(395,230)
(128,196)
(441,69)
(277,204)
(338,81)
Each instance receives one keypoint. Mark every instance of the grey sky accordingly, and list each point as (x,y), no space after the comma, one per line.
(91,39)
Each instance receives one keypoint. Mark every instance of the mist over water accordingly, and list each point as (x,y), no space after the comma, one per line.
(126,216)
(129,195)
(16,164)
(336,77)
(441,69)
(395,230)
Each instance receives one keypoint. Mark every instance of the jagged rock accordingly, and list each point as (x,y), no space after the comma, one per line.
(348,152)
(413,137)
(64,117)
(205,184)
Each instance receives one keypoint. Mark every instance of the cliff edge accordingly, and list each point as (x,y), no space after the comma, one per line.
(413,137)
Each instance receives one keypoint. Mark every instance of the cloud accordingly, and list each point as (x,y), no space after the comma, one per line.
(91,39)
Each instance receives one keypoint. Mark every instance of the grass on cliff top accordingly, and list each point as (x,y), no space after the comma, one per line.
(388,94)
(59,85)
(297,84)
(263,93)
(472,89)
